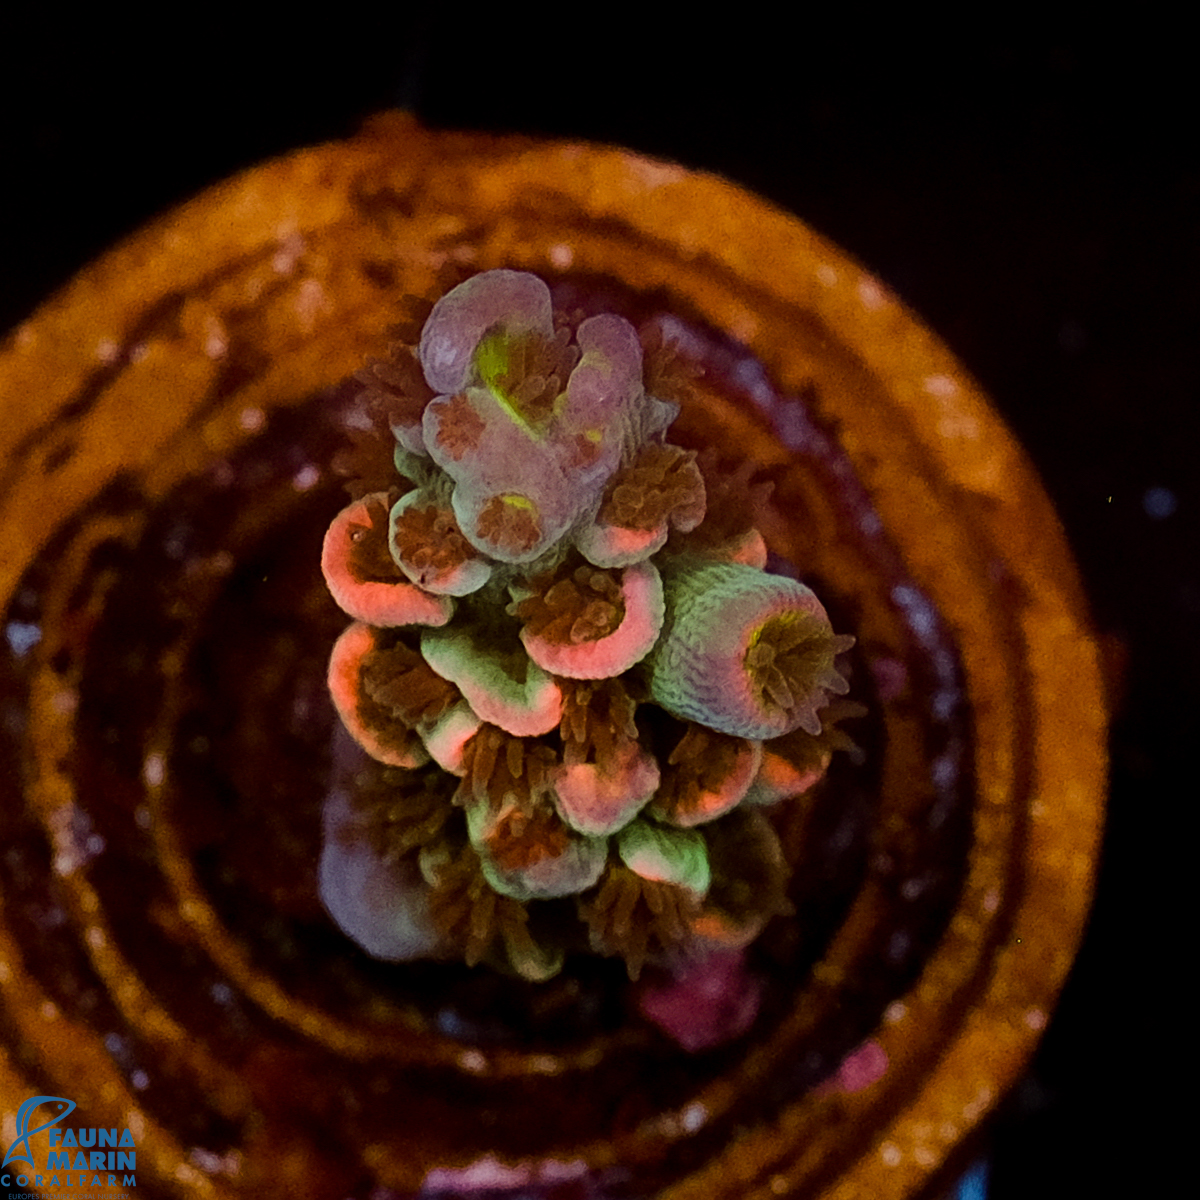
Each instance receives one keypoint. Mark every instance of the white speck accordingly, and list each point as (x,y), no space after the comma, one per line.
(189,1176)
(472,1060)
(1159,503)
(896,1011)
(25,336)
(944,703)
(872,294)
(545,1064)
(49,1010)
(75,842)
(991,901)
(136,1123)
(871,525)
(139,1081)
(115,1044)
(889,1152)
(827,275)
(562,256)
(65,701)
(948,1131)
(107,351)
(976,1107)
(924,1156)
(252,419)
(22,636)
(308,476)
(222,993)
(284,260)
(940,385)
(96,938)
(942,769)
(653,174)
(216,340)
(154,770)
(358,418)
(916,607)
(220,563)
(953,423)
(749,374)
(138,352)
(5,971)
(212,1163)
(910,889)
(778,1184)
(141,815)
(310,303)
(1035,1018)
(693,1117)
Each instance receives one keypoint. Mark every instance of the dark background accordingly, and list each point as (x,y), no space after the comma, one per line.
(1033,193)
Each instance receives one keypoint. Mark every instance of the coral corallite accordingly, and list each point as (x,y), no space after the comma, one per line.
(576,682)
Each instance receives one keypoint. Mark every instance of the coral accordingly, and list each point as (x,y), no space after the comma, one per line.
(581,688)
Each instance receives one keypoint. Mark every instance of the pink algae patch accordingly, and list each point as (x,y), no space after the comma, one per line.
(707,1003)
(858,1070)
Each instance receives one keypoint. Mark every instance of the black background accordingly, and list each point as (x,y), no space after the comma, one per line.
(1033,193)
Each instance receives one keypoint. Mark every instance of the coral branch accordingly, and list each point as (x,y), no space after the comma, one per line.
(365,583)
(606,678)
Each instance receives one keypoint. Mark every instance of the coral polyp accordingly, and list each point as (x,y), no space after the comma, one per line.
(569,671)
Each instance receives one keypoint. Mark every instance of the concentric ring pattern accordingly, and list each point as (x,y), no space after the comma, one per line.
(164,959)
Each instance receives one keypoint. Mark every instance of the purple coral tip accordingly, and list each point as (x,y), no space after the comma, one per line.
(515,300)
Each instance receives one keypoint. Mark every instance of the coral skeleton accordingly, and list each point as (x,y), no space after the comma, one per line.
(575,691)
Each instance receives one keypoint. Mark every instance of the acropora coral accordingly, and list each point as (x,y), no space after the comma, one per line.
(572,688)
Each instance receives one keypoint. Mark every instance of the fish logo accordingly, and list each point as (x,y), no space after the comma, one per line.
(20,1150)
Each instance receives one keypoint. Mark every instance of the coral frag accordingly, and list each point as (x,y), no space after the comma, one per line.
(570,690)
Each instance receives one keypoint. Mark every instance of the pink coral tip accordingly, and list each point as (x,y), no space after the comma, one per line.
(386,604)
(448,736)
(507,690)
(345,666)
(574,867)
(608,378)
(600,799)
(780,779)
(607,545)
(629,643)
(705,797)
